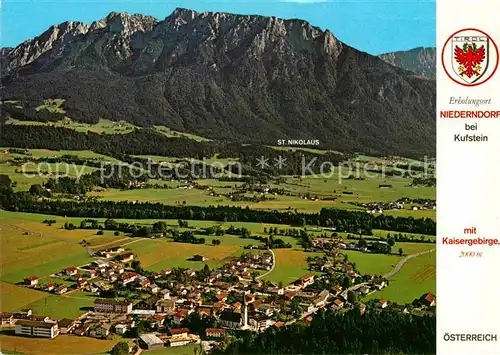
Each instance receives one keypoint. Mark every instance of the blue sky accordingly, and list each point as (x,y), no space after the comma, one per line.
(374,26)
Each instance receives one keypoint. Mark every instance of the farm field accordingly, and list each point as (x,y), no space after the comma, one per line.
(15,297)
(184,350)
(171,133)
(413,248)
(416,277)
(48,249)
(290,265)
(46,153)
(29,174)
(41,255)
(382,234)
(380,264)
(70,305)
(65,344)
(24,255)
(367,190)
(104,126)
(372,264)
(160,253)
(165,196)
(203,198)
(34,221)
(335,190)
(331,192)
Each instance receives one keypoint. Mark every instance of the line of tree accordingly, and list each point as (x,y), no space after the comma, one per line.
(363,223)
(398,237)
(31,112)
(108,177)
(66,158)
(147,141)
(345,221)
(423,181)
(187,237)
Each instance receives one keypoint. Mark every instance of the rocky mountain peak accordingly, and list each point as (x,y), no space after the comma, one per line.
(54,37)
(186,14)
(421,60)
(124,23)
(181,16)
(331,45)
(228,76)
(5,50)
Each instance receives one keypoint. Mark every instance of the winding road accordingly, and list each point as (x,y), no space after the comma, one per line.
(391,273)
(401,263)
(272,268)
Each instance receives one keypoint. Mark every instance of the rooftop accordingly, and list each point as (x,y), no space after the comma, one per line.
(121,303)
(177,331)
(214,331)
(66,322)
(430,297)
(151,339)
(32,323)
(306,277)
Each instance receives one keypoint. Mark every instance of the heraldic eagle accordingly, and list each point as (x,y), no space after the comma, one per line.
(470,57)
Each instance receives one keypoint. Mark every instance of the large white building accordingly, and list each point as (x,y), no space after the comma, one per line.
(37,329)
(151,341)
(112,306)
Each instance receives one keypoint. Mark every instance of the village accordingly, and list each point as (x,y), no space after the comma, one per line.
(178,307)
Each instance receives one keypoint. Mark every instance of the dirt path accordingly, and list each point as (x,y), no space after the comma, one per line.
(108,243)
(394,270)
(272,268)
(402,262)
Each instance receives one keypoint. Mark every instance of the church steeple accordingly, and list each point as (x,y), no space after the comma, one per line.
(245,312)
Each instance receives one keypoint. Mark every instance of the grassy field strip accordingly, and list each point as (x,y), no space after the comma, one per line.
(38,234)
(416,277)
(290,264)
(404,261)
(26,254)
(100,246)
(67,345)
(23,254)
(23,296)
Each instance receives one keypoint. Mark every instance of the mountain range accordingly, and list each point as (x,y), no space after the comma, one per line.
(228,77)
(421,60)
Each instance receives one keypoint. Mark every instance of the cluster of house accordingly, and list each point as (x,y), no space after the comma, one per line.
(109,268)
(232,294)
(428,300)
(136,184)
(321,244)
(242,268)
(254,306)
(235,305)
(379,207)
(99,275)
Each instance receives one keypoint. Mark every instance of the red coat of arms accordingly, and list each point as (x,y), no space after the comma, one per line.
(470,57)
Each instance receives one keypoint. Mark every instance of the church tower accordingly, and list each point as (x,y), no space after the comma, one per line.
(245,313)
